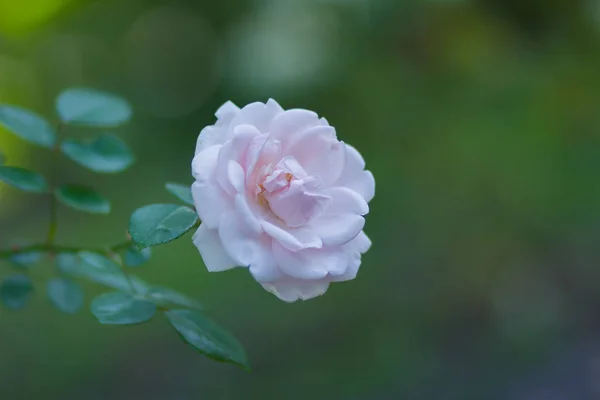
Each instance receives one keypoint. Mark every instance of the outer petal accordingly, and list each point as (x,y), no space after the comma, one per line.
(338,229)
(346,201)
(213,254)
(310,264)
(289,124)
(294,239)
(258,114)
(234,150)
(355,177)
(218,133)
(319,153)
(241,243)
(294,290)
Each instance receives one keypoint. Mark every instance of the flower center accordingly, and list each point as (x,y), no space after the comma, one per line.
(289,193)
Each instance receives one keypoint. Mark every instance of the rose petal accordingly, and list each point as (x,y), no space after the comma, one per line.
(246,213)
(219,132)
(360,244)
(205,162)
(294,290)
(210,201)
(346,201)
(293,239)
(228,109)
(310,263)
(292,122)
(234,150)
(236,176)
(355,177)
(213,254)
(258,114)
(354,261)
(241,243)
(337,229)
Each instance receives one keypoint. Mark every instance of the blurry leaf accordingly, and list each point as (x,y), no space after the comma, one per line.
(122,309)
(23,179)
(15,291)
(82,198)
(166,297)
(66,295)
(27,125)
(100,269)
(83,106)
(207,336)
(104,154)
(26,259)
(160,223)
(135,257)
(182,192)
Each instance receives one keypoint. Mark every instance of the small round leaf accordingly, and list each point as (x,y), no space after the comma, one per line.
(83,198)
(122,309)
(135,257)
(166,297)
(15,291)
(104,154)
(27,125)
(160,223)
(23,179)
(182,192)
(208,337)
(90,107)
(65,295)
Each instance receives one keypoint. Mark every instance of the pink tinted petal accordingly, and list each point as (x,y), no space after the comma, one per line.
(258,114)
(210,201)
(213,254)
(360,244)
(346,201)
(310,263)
(294,290)
(263,150)
(241,243)
(228,109)
(319,153)
(236,176)
(354,261)
(355,177)
(233,150)
(246,213)
(290,123)
(293,239)
(205,163)
(297,204)
(338,229)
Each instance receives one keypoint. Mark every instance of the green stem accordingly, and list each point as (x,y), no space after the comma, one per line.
(53,220)
(53,249)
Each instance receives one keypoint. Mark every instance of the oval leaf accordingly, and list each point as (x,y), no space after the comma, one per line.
(23,179)
(26,259)
(104,154)
(166,297)
(135,257)
(160,223)
(90,107)
(182,192)
(65,295)
(122,309)
(207,336)
(82,198)
(15,291)
(27,125)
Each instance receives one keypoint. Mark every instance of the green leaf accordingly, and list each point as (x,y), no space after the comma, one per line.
(90,107)
(27,125)
(135,257)
(122,309)
(65,295)
(166,297)
(182,192)
(23,179)
(15,291)
(83,198)
(100,269)
(207,336)
(26,259)
(160,223)
(104,154)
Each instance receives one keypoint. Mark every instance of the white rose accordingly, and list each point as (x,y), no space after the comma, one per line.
(279,194)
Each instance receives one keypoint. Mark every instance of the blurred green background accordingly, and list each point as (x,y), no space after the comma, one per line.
(480,122)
